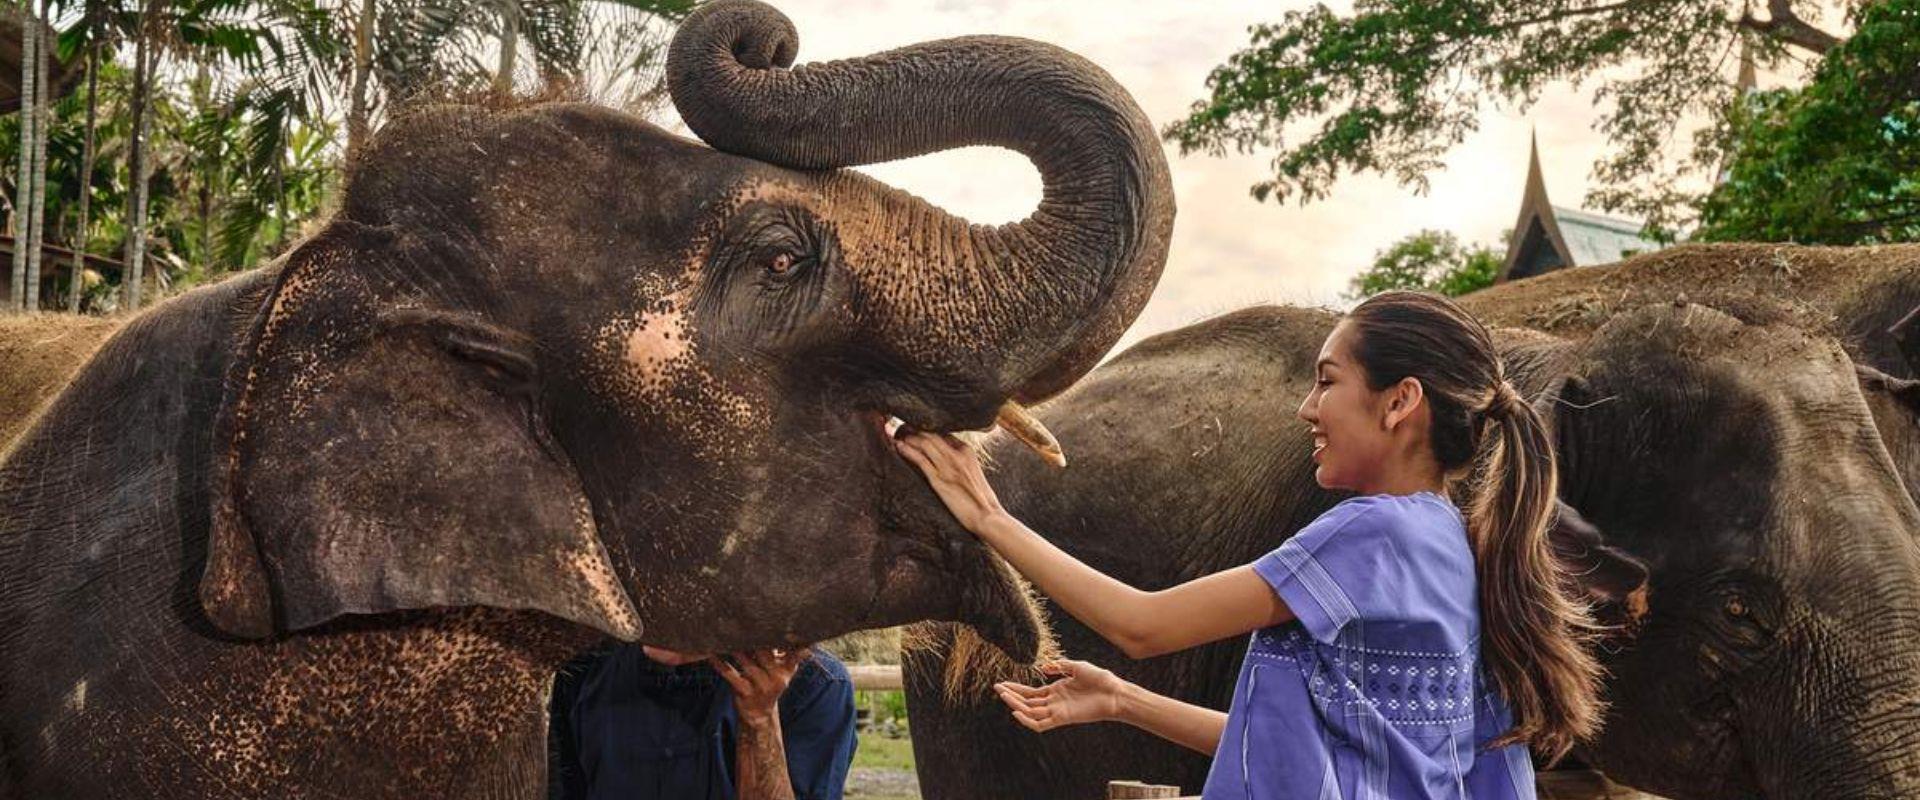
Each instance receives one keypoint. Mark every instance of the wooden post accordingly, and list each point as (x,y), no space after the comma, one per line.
(1135,790)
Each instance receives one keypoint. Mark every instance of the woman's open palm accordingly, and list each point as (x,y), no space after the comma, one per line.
(1084,693)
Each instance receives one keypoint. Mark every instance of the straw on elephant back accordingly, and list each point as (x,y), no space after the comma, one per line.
(37,356)
(1851,293)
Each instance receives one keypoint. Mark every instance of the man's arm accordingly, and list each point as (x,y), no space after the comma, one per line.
(762,760)
(760,757)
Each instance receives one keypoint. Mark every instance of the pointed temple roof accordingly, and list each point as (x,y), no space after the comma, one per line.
(1547,237)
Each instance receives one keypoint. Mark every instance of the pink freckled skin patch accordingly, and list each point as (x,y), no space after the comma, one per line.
(658,341)
(657,344)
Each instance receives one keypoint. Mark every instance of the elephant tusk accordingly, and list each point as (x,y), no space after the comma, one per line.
(1023,426)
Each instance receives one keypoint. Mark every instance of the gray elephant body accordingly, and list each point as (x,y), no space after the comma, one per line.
(1734,455)
(552,374)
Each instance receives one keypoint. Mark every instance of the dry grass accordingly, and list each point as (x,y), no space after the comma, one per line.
(1812,284)
(38,354)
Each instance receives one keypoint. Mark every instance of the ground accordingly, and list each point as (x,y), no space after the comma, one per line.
(883,769)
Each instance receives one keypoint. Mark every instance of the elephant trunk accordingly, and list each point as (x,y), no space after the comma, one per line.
(1840,719)
(969,315)
(1859,744)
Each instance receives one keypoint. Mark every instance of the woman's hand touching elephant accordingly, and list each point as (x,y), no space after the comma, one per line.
(954,472)
(1084,693)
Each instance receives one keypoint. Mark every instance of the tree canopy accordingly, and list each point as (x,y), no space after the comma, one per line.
(1837,161)
(1428,260)
(245,112)
(1392,86)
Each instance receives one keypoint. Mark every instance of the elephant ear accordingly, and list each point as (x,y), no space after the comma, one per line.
(1613,580)
(1906,336)
(1610,578)
(1904,391)
(380,454)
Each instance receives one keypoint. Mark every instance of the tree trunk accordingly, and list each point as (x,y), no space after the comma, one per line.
(209,167)
(280,186)
(137,201)
(1785,25)
(23,183)
(357,110)
(42,116)
(509,46)
(86,179)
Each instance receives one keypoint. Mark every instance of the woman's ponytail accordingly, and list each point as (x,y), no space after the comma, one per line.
(1535,633)
(1534,636)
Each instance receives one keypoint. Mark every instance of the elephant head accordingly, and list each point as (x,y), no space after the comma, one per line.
(1737,458)
(556,358)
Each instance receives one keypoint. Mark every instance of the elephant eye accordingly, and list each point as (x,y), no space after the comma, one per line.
(780,264)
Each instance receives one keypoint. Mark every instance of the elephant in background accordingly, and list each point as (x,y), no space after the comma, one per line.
(38,354)
(552,374)
(1855,294)
(1728,460)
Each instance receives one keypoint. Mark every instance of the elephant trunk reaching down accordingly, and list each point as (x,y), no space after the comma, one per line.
(1019,310)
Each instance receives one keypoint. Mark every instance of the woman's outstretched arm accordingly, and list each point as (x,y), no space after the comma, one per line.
(1087,693)
(1141,624)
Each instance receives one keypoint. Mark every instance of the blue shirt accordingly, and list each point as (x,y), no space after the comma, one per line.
(1375,691)
(626,728)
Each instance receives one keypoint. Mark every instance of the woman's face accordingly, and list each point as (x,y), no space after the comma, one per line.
(1350,436)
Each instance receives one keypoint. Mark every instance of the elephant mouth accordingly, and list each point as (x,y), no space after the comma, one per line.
(983,591)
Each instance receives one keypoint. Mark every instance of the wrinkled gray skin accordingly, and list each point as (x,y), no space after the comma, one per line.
(551,374)
(1854,294)
(1737,460)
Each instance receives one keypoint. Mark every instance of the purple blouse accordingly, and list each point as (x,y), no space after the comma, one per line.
(1376,690)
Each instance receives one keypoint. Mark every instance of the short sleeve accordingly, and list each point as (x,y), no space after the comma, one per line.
(816,723)
(1332,569)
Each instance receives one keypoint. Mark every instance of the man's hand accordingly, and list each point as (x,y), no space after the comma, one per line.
(758,678)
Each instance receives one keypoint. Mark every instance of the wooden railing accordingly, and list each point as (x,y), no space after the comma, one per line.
(875,677)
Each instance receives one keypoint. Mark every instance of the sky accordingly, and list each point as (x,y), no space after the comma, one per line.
(1228,251)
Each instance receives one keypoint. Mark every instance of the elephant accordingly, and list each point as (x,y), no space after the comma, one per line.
(1728,508)
(551,374)
(1855,294)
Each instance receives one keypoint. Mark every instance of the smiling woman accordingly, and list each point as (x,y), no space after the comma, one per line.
(1370,623)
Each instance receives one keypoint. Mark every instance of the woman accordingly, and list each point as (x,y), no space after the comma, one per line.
(1365,676)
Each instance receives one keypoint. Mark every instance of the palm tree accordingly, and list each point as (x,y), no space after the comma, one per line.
(359,108)
(23,181)
(36,221)
(144,57)
(76,278)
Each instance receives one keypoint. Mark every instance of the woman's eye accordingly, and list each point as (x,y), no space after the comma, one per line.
(1323,382)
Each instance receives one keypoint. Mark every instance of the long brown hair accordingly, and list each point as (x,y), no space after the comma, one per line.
(1535,632)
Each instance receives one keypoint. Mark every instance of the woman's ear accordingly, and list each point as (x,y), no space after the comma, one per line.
(1403,400)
